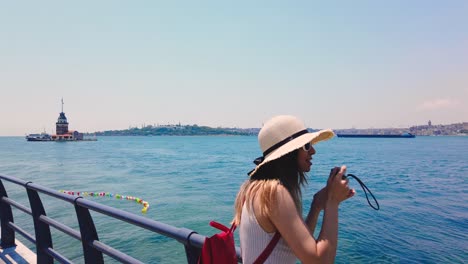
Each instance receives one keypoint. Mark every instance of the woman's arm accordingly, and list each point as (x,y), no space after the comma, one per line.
(317,205)
(296,233)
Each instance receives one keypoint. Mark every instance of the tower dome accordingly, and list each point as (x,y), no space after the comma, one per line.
(61,127)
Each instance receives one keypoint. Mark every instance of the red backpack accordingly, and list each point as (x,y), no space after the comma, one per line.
(221,249)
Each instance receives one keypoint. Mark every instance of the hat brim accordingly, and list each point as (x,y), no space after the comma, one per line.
(296,143)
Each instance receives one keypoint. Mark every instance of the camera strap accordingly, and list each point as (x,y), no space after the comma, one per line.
(364,187)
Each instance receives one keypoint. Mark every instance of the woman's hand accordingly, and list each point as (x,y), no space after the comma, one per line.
(320,199)
(338,189)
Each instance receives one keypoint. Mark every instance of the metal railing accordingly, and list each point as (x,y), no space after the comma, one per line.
(93,249)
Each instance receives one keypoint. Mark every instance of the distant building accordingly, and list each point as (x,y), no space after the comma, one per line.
(429,123)
(61,127)
(62,132)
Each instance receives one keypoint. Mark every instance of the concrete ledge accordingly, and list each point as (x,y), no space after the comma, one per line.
(17,255)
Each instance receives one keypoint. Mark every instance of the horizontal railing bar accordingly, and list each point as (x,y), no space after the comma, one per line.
(115,254)
(59,226)
(197,240)
(22,232)
(52,192)
(57,256)
(180,234)
(183,235)
(17,205)
(14,180)
(161,228)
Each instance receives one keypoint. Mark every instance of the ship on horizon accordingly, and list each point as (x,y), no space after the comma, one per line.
(404,135)
(39,137)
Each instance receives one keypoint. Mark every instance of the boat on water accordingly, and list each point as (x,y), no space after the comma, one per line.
(39,137)
(404,135)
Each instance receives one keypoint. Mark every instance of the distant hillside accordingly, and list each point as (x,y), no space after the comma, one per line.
(459,129)
(179,130)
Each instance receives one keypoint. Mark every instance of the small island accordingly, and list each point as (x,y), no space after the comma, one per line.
(63,134)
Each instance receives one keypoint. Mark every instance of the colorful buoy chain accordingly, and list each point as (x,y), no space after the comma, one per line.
(108,194)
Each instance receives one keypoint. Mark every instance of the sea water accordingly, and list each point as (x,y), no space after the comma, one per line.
(420,184)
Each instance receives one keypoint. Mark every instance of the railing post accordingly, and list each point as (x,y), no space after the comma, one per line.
(42,230)
(88,235)
(6,216)
(191,251)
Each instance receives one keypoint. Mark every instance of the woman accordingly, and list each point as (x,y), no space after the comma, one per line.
(271,200)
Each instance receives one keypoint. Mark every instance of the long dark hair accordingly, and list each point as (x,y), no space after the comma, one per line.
(286,171)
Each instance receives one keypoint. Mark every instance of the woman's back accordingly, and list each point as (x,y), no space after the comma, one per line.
(254,240)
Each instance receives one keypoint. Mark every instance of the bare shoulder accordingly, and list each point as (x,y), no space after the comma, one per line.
(280,188)
(280,196)
(266,204)
(283,195)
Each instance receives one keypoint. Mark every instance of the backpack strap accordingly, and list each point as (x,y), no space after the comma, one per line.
(223,227)
(261,259)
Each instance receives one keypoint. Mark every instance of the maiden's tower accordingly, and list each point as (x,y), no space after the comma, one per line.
(62,132)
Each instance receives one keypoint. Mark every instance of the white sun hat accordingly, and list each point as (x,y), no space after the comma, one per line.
(283,134)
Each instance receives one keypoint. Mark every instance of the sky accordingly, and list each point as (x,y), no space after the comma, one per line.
(333,64)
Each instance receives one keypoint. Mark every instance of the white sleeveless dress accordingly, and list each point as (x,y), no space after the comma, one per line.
(253,240)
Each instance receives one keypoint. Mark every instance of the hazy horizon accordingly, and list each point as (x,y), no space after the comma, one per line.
(334,65)
(172,124)
(258,127)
